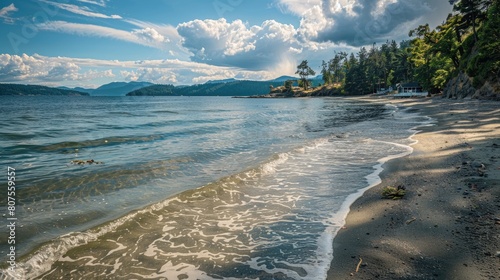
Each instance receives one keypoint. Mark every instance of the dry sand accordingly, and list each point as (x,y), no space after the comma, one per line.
(448,224)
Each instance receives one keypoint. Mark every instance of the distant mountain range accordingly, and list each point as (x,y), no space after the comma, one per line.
(17,89)
(234,88)
(112,89)
(283,79)
(226,87)
(221,81)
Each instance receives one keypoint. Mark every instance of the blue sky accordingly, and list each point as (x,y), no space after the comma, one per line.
(92,42)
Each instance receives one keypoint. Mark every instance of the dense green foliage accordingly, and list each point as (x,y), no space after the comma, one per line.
(154,90)
(468,41)
(118,88)
(304,71)
(484,64)
(369,70)
(16,89)
(237,88)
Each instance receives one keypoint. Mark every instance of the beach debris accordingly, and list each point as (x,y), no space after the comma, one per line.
(394,192)
(359,264)
(413,219)
(84,162)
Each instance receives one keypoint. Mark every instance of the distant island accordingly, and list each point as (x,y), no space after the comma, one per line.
(31,90)
(294,91)
(112,89)
(230,87)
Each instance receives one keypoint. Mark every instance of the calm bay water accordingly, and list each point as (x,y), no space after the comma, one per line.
(188,188)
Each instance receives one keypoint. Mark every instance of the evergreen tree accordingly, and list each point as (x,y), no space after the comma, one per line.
(352,69)
(335,67)
(473,13)
(486,65)
(325,71)
(304,71)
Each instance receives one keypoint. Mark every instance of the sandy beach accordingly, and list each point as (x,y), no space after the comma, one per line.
(447,226)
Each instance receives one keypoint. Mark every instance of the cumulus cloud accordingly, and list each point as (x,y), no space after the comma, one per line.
(297,7)
(174,71)
(37,69)
(156,32)
(154,75)
(360,23)
(63,71)
(235,44)
(86,71)
(5,11)
(324,24)
(211,39)
(150,35)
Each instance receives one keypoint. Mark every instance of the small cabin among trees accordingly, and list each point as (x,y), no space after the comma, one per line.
(409,87)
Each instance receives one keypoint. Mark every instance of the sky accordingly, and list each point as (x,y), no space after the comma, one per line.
(88,43)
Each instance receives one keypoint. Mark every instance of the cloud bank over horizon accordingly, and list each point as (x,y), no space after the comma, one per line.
(214,48)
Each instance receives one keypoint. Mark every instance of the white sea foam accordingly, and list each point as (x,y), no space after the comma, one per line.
(337,221)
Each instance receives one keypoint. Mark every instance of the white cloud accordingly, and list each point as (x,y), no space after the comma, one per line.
(162,37)
(146,37)
(101,3)
(154,32)
(168,31)
(5,11)
(209,39)
(312,22)
(153,75)
(235,44)
(149,35)
(37,69)
(159,63)
(297,7)
(357,22)
(87,30)
(85,11)
(85,71)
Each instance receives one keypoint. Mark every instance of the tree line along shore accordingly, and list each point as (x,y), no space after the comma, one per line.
(459,58)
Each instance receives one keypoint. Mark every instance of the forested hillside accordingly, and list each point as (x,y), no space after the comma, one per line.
(466,46)
(154,90)
(237,88)
(16,89)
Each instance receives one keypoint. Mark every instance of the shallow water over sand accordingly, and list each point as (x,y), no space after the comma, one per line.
(190,188)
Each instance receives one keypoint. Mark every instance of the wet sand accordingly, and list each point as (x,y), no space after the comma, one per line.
(447,226)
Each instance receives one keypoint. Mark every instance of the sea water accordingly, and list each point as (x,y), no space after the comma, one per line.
(188,187)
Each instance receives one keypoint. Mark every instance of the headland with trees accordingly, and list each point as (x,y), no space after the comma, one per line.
(459,58)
